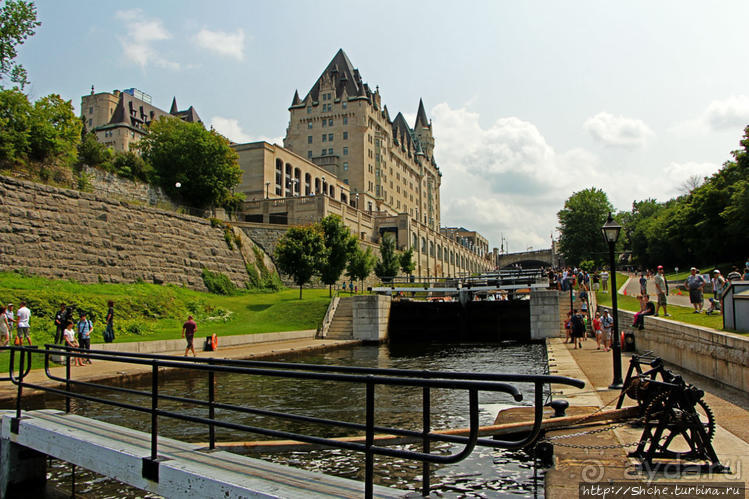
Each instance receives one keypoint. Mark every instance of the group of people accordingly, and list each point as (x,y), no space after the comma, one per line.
(568,277)
(577,324)
(695,283)
(67,332)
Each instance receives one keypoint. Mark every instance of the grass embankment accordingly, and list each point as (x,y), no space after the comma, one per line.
(681,314)
(146,312)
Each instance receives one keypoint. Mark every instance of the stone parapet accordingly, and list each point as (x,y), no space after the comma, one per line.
(370,318)
(544,314)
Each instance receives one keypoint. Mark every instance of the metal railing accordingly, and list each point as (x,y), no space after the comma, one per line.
(473,383)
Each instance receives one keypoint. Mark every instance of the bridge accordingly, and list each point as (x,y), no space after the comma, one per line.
(172,468)
(529,259)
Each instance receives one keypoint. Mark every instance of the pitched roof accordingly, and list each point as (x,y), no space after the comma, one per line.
(343,75)
(421,116)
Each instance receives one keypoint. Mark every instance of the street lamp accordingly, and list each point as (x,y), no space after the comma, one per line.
(267,184)
(610,232)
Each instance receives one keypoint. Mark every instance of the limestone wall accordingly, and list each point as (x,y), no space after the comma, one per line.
(119,188)
(371,314)
(63,233)
(545,316)
(723,357)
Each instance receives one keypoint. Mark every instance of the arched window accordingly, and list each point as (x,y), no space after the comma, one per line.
(331,192)
(279,177)
(423,245)
(298,181)
(288,180)
(307,184)
(431,248)
(415,243)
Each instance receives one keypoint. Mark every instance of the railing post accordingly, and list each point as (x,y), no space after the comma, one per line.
(67,380)
(426,422)
(154,408)
(368,454)
(20,383)
(211,408)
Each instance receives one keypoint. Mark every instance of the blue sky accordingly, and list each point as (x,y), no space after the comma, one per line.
(530,101)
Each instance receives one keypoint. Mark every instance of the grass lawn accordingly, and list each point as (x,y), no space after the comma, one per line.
(681,314)
(145,312)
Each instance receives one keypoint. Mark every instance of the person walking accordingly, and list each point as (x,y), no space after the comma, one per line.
(605,281)
(661,289)
(4,328)
(188,333)
(695,283)
(109,330)
(597,330)
(23,326)
(607,322)
(578,329)
(11,317)
(69,339)
(61,320)
(85,327)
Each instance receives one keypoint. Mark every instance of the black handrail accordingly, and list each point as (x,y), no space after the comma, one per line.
(473,383)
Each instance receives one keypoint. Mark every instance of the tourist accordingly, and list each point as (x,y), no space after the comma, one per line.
(661,288)
(605,281)
(695,283)
(646,308)
(643,284)
(577,325)
(745,277)
(61,319)
(109,319)
(188,333)
(719,284)
(597,329)
(69,337)
(4,328)
(11,318)
(734,275)
(607,322)
(567,328)
(84,328)
(596,281)
(23,324)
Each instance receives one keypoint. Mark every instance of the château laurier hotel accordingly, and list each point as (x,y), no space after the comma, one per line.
(343,154)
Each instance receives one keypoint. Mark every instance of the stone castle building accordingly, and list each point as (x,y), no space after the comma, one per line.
(120,118)
(344,154)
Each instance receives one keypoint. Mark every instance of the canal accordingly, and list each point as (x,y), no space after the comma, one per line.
(486,473)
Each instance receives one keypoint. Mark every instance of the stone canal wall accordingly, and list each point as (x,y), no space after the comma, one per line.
(67,234)
(723,357)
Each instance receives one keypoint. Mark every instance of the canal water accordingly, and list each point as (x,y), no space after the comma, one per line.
(485,473)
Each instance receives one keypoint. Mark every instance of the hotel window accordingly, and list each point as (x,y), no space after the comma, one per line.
(330,137)
(309,154)
(324,137)
(90,110)
(323,152)
(330,122)
(345,120)
(345,135)
(309,110)
(329,96)
(309,139)
(345,181)
(90,122)
(330,151)
(324,122)
(309,125)
(345,167)
(344,104)
(345,151)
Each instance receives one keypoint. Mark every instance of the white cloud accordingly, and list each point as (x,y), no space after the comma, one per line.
(728,114)
(505,178)
(222,42)
(230,128)
(142,33)
(618,131)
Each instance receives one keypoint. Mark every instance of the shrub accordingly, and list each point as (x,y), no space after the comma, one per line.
(218,283)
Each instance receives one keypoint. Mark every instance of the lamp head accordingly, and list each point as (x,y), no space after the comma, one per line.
(611,230)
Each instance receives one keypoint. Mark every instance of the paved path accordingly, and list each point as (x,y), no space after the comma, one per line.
(103,370)
(573,465)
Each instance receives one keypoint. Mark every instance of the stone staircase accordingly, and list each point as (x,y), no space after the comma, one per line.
(342,325)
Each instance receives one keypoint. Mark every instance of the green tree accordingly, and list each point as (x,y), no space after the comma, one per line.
(131,165)
(91,152)
(360,265)
(407,262)
(55,131)
(339,246)
(15,125)
(388,265)
(17,23)
(298,254)
(201,161)
(580,223)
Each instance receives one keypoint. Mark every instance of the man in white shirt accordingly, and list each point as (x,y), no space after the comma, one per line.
(22,323)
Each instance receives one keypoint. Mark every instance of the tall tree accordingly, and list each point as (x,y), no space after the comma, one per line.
(360,265)
(199,160)
(55,131)
(388,265)
(15,125)
(298,254)
(580,224)
(17,23)
(339,246)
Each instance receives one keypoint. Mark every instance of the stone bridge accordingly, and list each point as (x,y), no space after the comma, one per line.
(529,259)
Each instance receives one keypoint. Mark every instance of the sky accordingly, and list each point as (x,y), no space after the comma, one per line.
(530,101)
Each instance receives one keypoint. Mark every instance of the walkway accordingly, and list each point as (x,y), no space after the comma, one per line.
(575,465)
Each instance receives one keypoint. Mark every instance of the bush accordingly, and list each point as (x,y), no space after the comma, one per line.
(218,283)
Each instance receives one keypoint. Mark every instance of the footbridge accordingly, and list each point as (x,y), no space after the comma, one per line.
(173,468)
(529,259)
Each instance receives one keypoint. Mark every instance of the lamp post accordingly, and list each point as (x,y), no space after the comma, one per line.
(267,184)
(610,232)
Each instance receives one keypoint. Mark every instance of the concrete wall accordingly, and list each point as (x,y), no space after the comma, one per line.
(371,316)
(723,357)
(544,314)
(67,234)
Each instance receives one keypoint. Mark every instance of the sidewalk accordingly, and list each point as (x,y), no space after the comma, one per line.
(590,464)
(103,370)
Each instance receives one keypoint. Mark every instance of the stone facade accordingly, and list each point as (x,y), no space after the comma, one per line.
(371,314)
(112,185)
(66,234)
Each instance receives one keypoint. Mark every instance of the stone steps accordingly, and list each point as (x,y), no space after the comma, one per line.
(342,326)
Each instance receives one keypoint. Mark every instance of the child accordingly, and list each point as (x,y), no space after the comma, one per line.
(714,306)
(597,329)
(70,341)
